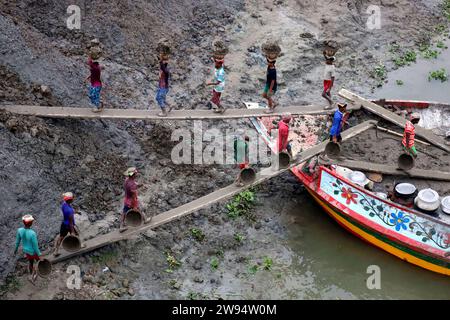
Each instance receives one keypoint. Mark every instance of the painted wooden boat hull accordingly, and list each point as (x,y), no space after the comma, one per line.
(431,254)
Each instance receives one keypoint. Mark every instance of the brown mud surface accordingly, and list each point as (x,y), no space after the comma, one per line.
(42,62)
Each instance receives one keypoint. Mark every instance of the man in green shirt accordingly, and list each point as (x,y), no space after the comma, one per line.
(29,245)
(241,153)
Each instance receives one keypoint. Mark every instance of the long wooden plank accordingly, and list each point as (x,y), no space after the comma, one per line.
(136,114)
(205,201)
(394,118)
(393,170)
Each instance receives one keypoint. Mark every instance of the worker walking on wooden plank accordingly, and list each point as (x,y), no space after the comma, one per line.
(283,133)
(328,80)
(338,123)
(95,87)
(163,85)
(219,84)
(131,195)
(408,141)
(271,85)
(30,246)
(68,223)
(241,153)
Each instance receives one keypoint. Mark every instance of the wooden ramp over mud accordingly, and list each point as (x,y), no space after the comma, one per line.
(136,114)
(428,135)
(392,170)
(204,201)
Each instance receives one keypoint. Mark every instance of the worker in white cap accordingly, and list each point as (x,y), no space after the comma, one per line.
(30,247)
(68,223)
(131,195)
(408,141)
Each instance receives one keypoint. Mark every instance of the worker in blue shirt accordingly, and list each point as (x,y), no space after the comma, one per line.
(336,127)
(68,223)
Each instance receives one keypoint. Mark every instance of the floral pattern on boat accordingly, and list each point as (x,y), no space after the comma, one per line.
(397,220)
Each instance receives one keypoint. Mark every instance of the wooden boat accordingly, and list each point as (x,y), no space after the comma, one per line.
(412,236)
(404,232)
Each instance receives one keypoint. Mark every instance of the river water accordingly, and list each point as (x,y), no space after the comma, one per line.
(337,263)
(335,260)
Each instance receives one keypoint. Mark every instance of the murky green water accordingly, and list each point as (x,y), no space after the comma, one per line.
(337,263)
(416,85)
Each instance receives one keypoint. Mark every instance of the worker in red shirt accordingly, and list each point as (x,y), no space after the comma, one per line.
(409,135)
(283,133)
(131,195)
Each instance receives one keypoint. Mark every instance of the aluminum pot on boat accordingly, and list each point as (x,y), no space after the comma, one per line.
(445,205)
(405,191)
(427,201)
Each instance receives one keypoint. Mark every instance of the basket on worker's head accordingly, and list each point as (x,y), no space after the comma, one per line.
(95,50)
(330,48)
(134,218)
(163,48)
(44,268)
(271,50)
(219,49)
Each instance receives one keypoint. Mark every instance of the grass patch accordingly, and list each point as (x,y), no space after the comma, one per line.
(399,82)
(440,74)
(267,263)
(197,234)
(446,9)
(253,269)
(242,205)
(214,263)
(196,296)
(172,262)
(430,54)
(406,59)
(239,238)
(441,45)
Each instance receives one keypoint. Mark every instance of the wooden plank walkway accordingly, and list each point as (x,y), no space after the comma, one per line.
(205,201)
(428,135)
(393,170)
(136,114)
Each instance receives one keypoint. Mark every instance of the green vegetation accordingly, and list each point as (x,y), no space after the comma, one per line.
(242,205)
(441,45)
(441,28)
(197,234)
(430,54)
(394,48)
(406,59)
(174,284)
(214,263)
(172,262)
(267,263)
(379,73)
(446,9)
(239,237)
(196,296)
(253,269)
(440,74)
(399,82)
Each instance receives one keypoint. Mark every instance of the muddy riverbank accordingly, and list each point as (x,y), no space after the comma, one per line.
(279,246)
